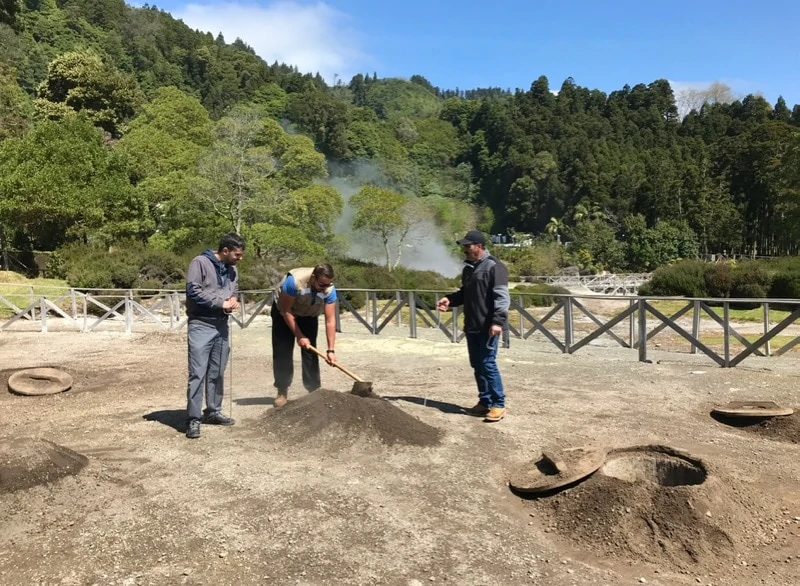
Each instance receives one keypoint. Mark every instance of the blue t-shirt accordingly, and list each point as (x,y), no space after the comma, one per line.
(290,288)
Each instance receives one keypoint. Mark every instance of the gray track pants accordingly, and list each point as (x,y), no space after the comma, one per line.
(208,357)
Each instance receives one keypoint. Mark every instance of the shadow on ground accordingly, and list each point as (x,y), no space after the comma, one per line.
(255,401)
(440,405)
(738,421)
(174,418)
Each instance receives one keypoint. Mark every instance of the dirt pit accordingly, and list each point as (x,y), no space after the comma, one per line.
(654,464)
(325,415)
(653,503)
(779,429)
(27,462)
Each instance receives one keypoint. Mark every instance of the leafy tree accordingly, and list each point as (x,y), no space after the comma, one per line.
(282,243)
(388,216)
(79,81)
(16,109)
(666,242)
(93,201)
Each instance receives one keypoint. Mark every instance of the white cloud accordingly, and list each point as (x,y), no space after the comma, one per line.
(313,37)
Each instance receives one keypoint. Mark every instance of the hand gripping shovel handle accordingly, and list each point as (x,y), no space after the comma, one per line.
(337,365)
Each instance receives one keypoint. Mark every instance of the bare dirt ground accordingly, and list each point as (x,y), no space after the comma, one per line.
(406,491)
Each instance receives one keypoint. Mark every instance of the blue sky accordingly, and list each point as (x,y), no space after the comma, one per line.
(509,43)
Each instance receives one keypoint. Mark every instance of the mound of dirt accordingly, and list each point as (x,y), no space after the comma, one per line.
(780,429)
(29,462)
(679,517)
(344,418)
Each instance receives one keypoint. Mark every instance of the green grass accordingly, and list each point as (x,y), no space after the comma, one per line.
(21,291)
(756,315)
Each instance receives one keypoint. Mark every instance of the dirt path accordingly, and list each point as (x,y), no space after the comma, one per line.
(308,499)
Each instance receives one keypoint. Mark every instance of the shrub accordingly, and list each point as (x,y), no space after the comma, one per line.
(544,292)
(719,279)
(685,278)
(124,266)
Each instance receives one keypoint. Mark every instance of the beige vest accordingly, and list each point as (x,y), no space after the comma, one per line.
(303,306)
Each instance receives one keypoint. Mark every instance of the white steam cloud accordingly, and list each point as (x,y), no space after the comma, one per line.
(422,249)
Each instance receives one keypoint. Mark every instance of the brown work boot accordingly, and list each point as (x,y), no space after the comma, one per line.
(495,414)
(281,399)
(477,411)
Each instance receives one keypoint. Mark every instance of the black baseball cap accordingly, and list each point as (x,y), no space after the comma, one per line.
(472,237)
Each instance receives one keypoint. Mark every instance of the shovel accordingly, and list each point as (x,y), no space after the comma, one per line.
(361,387)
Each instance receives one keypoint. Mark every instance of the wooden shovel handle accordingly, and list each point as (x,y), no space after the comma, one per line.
(337,365)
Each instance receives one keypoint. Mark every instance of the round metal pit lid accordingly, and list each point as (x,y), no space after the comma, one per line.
(752,409)
(557,468)
(39,381)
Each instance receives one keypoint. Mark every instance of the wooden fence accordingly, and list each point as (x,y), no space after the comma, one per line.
(568,324)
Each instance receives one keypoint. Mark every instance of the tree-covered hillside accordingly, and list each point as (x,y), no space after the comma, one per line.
(121,123)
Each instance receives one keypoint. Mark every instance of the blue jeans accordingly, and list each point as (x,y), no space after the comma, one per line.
(483,360)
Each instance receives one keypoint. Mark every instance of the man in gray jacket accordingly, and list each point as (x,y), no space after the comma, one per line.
(212,288)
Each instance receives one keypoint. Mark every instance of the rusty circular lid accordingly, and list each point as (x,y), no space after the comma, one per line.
(558,468)
(752,409)
(39,381)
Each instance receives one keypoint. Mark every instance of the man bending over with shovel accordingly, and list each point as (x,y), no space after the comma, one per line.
(301,296)
(484,295)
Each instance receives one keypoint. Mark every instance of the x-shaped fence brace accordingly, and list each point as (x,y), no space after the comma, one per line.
(165,309)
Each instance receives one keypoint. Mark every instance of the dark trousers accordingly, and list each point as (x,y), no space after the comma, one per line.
(283,343)
(208,356)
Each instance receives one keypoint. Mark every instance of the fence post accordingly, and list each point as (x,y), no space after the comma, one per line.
(768,345)
(455,325)
(695,325)
(337,311)
(568,333)
(73,304)
(398,298)
(374,296)
(631,324)
(129,312)
(43,312)
(726,327)
(412,314)
(642,316)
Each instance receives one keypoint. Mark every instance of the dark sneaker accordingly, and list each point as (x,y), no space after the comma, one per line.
(477,411)
(193,429)
(217,418)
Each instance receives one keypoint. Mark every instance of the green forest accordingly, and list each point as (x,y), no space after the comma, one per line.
(122,129)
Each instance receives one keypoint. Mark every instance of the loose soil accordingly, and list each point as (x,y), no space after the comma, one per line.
(338,420)
(685,518)
(401,490)
(779,429)
(29,462)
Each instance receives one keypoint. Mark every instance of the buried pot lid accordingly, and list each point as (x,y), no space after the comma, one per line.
(557,468)
(752,409)
(39,381)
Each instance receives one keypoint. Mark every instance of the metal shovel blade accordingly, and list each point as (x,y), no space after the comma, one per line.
(362,388)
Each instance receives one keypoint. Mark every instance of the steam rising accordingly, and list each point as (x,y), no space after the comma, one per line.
(422,248)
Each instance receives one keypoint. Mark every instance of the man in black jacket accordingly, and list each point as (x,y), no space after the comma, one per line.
(484,296)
